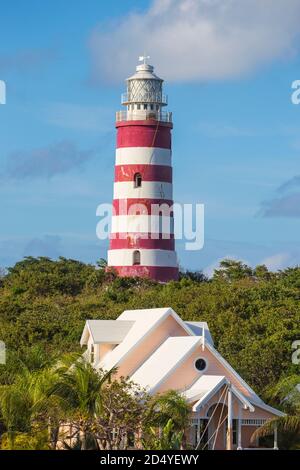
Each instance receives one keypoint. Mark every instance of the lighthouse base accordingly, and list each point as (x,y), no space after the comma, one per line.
(157,273)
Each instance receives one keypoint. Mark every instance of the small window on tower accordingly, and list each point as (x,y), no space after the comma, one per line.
(152,107)
(138,106)
(136,258)
(145,106)
(137,180)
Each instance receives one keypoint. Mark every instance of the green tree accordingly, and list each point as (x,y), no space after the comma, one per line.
(120,416)
(167,439)
(232,270)
(287,393)
(166,407)
(79,389)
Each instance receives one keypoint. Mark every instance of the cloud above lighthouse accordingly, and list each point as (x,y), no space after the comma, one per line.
(46,162)
(286,203)
(195,40)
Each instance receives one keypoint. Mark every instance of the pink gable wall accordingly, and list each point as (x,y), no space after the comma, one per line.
(168,327)
(186,374)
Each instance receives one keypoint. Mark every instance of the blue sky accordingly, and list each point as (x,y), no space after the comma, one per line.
(236,141)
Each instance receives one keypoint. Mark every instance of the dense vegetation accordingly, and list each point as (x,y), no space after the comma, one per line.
(253,314)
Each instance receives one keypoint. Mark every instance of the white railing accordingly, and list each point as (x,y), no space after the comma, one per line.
(163,116)
(144,97)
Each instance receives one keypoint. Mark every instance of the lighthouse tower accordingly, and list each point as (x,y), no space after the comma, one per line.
(142,236)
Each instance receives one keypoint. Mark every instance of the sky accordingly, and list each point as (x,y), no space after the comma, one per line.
(228,68)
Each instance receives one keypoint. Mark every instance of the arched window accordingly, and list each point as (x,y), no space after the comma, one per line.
(136,258)
(137,180)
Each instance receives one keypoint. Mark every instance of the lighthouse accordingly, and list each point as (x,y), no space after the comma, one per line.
(142,230)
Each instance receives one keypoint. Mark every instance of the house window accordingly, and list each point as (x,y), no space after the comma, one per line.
(138,106)
(137,180)
(151,107)
(234,431)
(145,106)
(130,439)
(157,107)
(200,364)
(92,358)
(136,258)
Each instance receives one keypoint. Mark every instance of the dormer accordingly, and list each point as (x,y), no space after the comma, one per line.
(102,336)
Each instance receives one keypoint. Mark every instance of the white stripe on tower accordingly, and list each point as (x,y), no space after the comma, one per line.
(142,224)
(160,258)
(143,156)
(148,190)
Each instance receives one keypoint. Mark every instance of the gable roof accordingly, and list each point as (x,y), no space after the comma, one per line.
(145,321)
(164,360)
(211,385)
(106,331)
(261,404)
(226,364)
(204,385)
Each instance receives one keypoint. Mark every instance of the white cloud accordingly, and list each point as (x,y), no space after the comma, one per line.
(209,270)
(197,39)
(46,162)
(277,261)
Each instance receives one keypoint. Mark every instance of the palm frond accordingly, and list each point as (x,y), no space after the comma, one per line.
(283,424)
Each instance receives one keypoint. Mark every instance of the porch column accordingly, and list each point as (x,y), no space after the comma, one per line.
(229,445)
(198,431)
(276,438)
(239,447)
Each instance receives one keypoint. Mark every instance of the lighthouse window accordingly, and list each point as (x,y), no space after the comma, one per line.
(136,258)
(137,180)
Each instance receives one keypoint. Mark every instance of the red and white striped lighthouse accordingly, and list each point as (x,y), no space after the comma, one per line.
(142,235)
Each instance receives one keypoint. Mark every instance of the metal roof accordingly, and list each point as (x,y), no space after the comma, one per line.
(109,331)
(164,360)
(204,385)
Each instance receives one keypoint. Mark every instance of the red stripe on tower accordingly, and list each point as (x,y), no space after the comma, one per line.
(148,172)
(142,239)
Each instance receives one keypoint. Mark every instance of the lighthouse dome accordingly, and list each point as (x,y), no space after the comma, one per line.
(144,89)
(144,71)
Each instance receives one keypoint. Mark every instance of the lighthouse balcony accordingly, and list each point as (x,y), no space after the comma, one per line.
(144,97)
(136,115)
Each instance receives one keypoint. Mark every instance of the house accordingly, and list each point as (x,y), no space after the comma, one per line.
(159,351)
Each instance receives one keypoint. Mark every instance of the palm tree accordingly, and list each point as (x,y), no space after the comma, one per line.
(79,389)
(287,393)
(25,405)
(168,439)
(15,411)
(101,263)
(165,407)
(285,425)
